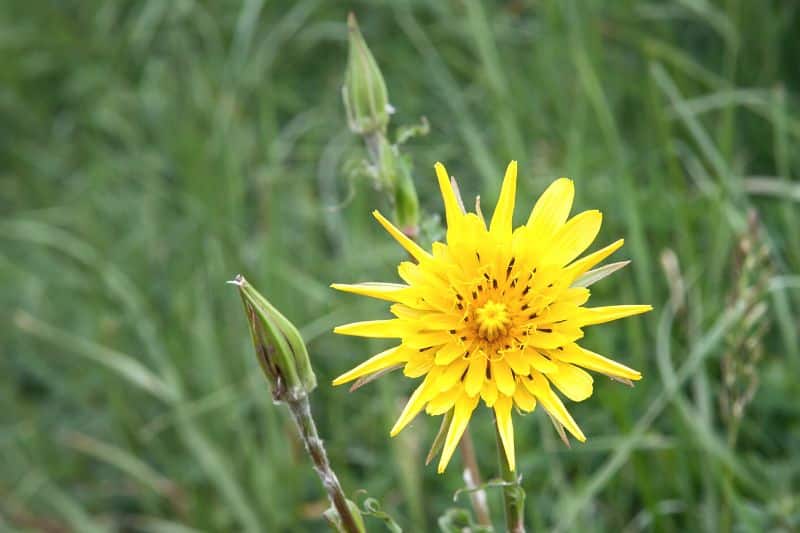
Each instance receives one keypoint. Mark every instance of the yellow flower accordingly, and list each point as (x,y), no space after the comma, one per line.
(494,314)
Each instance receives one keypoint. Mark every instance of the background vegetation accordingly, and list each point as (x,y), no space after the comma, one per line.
(151,150)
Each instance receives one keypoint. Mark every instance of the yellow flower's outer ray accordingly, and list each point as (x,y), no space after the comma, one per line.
(379,329)
(452,210)
(582,265)
(461,415)
(411,247)
(380,291)
(573,238)
(587,359)
(418,399)
(505,428)
(539,386)
(475,375)
(552,209)
(493,314)
(523,398)
(504,211)
(598,315)
(574,383)
(376,363)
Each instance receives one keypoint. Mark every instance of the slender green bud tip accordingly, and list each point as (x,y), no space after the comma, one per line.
(279,347)
(364,92)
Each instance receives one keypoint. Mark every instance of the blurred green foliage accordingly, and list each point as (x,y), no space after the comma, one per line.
(151,150)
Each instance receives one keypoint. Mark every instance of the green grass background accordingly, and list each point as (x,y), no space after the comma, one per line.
(151,150)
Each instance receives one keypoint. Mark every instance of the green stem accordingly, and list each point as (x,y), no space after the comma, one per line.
(301,413)
(513,494)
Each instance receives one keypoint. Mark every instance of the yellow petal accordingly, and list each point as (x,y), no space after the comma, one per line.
(578,355)
(427,339)
(421,396)
(501,374)
(574,383)
(475,375)
(573,238)
(461,415)
(418,364)
(385,359)
(502,413)
(451,374)
(380,329)
(504,210)
(598,315)
(489,392)
(444,401)
(552,209)
(411,247)
(539,362)
(583,265)
(381,291)
(540,387)
(452,210)
(449,353)
(553,338)
(404,311)
(524,399)
(517,361)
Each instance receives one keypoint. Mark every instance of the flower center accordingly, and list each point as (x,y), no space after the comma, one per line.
(493,320)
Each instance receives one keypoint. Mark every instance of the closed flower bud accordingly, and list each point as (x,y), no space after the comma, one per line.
(364,91)
(279,347)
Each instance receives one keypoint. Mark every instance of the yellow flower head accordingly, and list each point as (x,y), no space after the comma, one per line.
(494,314)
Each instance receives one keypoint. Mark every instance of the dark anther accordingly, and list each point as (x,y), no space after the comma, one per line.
(510,266)
(452,331)
(494,283)
(425,349)
(527,288)
(460,307)
(524,307)
(474,295)
(546,330)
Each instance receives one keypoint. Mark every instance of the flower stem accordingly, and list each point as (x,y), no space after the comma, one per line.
(513,494)
(301,413)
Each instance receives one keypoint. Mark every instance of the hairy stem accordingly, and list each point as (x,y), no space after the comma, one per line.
(301,413)
(513,494)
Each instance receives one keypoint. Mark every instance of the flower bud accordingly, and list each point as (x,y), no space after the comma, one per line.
(279,347)
(364,92)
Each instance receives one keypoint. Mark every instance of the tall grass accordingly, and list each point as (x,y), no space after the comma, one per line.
(151,150)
